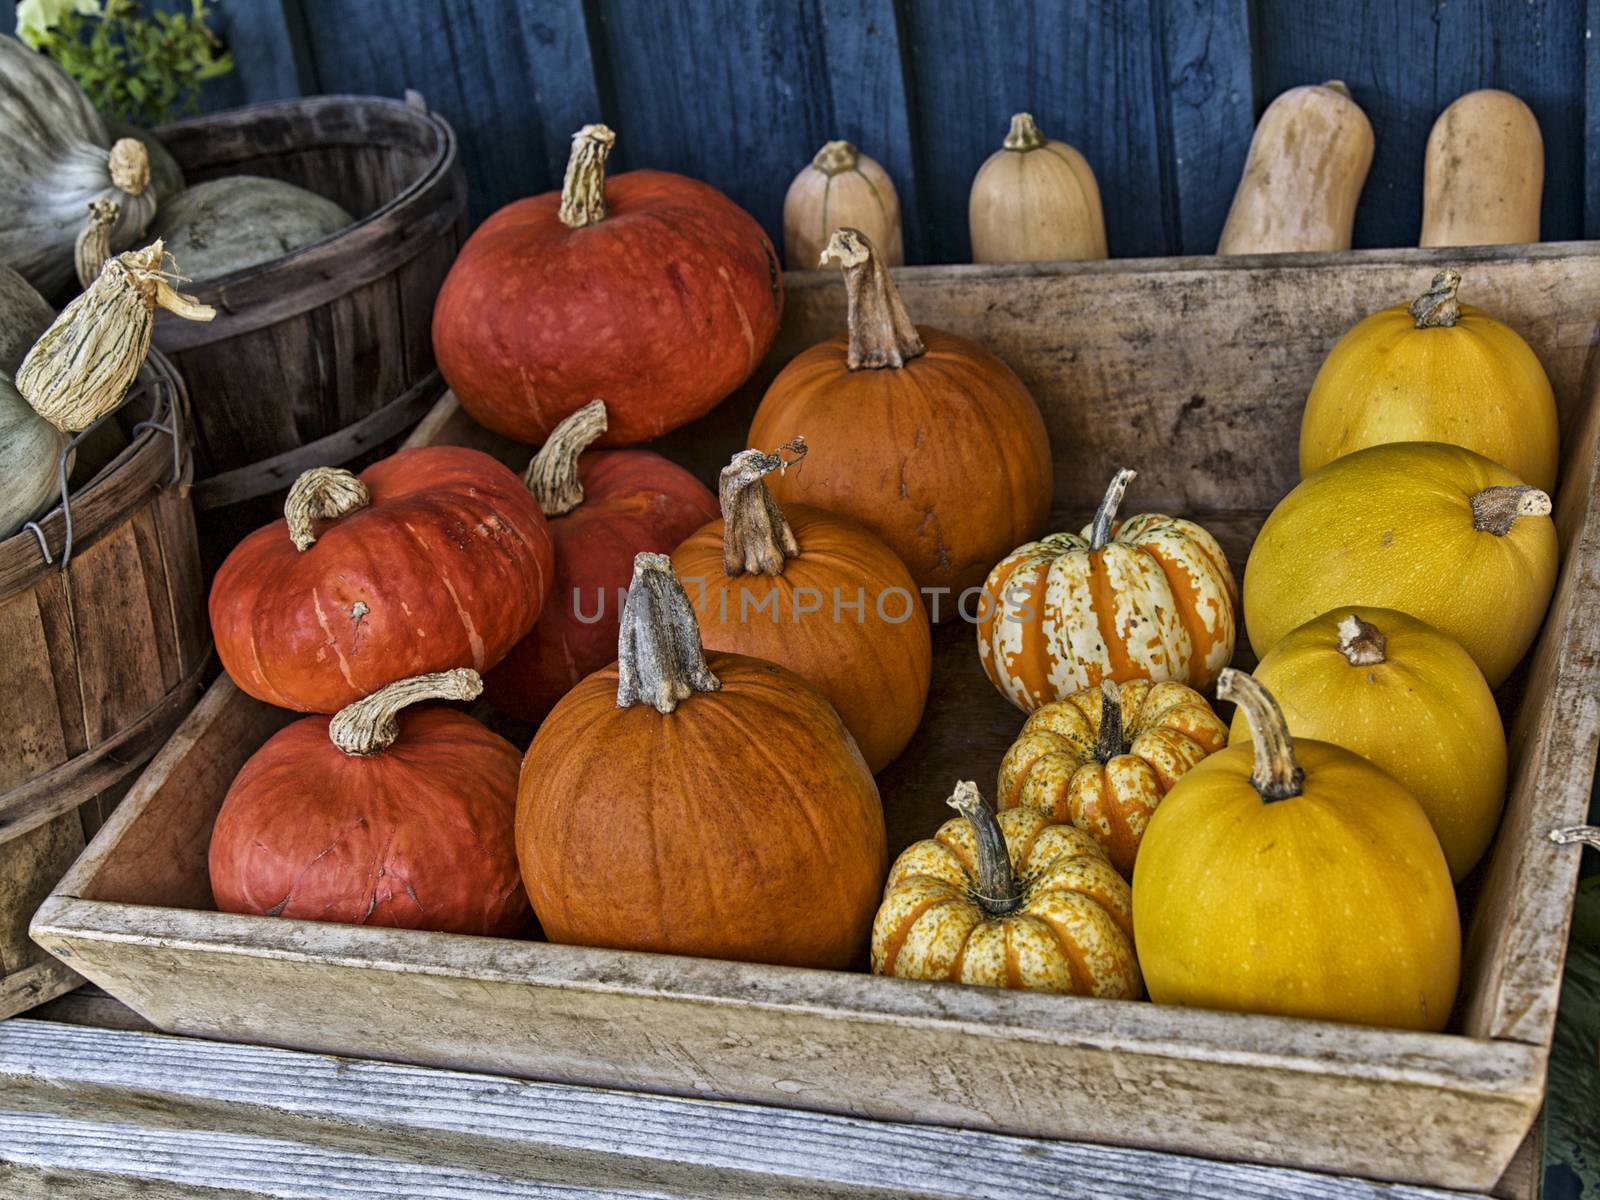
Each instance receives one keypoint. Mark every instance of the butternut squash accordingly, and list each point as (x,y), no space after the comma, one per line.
(1035,200)
(840,188)
(1483,174)
(1308,161)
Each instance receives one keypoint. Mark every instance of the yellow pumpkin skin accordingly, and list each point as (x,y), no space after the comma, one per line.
(1435,371)
(1335,904)
(1412,702)
(1071,932)
(1059,767)
(1393,526)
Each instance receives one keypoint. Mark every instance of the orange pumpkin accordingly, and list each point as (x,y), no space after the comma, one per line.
(1151,597)
(715,805)
(926,438)
(1102,759)
(775,583)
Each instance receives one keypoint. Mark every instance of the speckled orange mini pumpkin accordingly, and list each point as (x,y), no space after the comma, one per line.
(1103,758)
(1009,901)
(1149,598)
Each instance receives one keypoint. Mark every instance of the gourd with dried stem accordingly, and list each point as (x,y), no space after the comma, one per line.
(385,814)
(1035,200)
(840,187)
(681,802)
(1293,877)
(817,593)
(898,419)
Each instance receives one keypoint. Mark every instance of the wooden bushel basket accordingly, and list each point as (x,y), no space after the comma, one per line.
(1192,371)
(323,357)
(103,640)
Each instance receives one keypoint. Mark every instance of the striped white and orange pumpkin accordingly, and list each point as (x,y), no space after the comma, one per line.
(1102,759)
(1151,597)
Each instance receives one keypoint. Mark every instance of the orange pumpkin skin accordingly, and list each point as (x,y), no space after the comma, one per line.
(744,825)
(872,666)
(448,566)
(633,500)
(663,307)
(416,836)
(945,458)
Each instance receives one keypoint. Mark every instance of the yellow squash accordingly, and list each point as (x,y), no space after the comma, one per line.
(1438,371)
(1293,877)
(1432,530)
(1408,699)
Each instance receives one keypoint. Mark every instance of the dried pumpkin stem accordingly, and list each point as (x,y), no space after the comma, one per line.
(93,247)
(80,367)
(552,476)
(756,539)
(1106,515)
(881,332)
(660,659)
(583,192)
(996,889)
(1361,642)
(835,158)
(1496,509)
(129,166)
(1023,135)
(368,726)
(1338,85)
(1112,740)
(1437,308)
(1577,835)
(321,494)
(1277,776)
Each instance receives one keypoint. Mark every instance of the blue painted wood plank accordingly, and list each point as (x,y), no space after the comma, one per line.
(866,82)
(1591,127)
(734,92)
(514,78)
(260,35)
(1406,62)
(1090,74)
(1210,114)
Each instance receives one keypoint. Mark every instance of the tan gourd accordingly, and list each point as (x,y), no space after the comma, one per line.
(840,188)
(1483,175)
(1308,161)
(1035,200)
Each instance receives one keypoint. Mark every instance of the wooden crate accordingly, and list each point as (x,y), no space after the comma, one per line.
(1192,371)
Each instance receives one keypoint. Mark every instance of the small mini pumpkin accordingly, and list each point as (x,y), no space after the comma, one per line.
(900,420)
(1011,901)
(1408,699)
(433,558)
(711,805)
(382,815)
(1151,597)
(1438,371)
(840,187)
(774,583)
(1102,759)
(1295,878)
(604,507)
(1423,528)
(1035,200)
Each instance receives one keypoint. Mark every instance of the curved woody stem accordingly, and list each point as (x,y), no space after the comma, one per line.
(1277,776)
(583,191)
(321,494)
(756,539)
(93,246)
(996,889)
(660,659)
(1106,515)
(1496,509)
(1112,740)
(552,476)
(881,332)
(1437,308)
(369,725)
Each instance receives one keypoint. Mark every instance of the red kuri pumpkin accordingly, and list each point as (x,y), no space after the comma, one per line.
(775,583)
(431,559)
(926,438)
(714,805)
(651,289)
(377,816)
(604,506)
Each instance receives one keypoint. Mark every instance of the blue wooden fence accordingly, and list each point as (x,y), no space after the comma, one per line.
(1160,95)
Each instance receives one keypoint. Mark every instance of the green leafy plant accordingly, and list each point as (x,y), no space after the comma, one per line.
(143,68)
